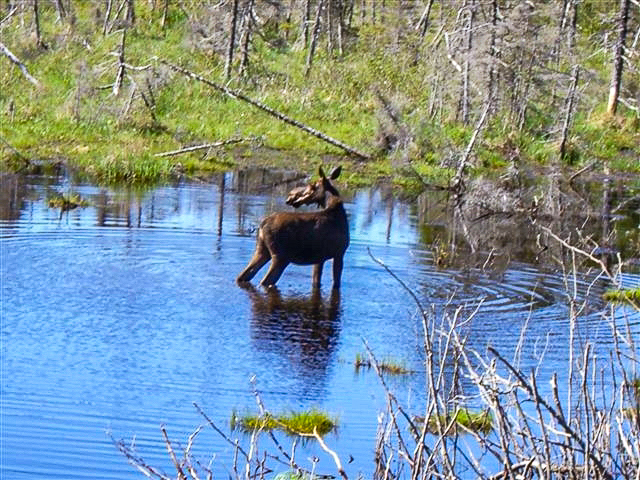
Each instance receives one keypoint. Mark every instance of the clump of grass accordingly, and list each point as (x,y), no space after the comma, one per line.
(385,366)
(291,475)
(633,411)
(631,295)
(293,423)
(481,422)
(67,202)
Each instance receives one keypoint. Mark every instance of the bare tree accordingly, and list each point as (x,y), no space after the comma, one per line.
(232,40)
(314,38)
(36,19)
(618,58)
(246,36)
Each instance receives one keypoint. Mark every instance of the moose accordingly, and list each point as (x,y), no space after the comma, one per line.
(307,238)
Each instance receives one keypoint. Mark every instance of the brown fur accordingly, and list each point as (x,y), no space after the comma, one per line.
(303,238)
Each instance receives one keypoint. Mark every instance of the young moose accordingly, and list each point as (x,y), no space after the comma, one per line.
(303,238)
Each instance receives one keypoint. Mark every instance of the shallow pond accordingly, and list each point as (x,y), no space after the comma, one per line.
(118,316)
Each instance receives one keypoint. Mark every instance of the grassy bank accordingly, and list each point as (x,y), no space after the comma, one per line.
(375,84)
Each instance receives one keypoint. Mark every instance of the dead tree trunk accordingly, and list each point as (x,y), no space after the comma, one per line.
(314,38)
(121,65)
(424,20)
(232,40)
(618,58)
(131,12)
(107,15)
(246,39)
(329,10)
(492,54)
(466,100)
(165,12)
(569,109)
(306,18)
(571,40)
(36,19)
(270,111)
(60,8)
(341,12)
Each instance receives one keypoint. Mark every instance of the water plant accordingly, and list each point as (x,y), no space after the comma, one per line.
(384,366)
(67,202)
(630,296)
(303,423)
(451,422)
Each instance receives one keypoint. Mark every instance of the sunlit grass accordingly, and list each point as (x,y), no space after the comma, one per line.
(631,296)
(385,366)
(481,422)
(293,423)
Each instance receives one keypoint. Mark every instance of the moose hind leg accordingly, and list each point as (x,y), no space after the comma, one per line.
(260,257)
(275,271)
(317,275)
(337,272)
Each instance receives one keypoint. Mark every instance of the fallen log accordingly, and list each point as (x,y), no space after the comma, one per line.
(270,111)
(17,61)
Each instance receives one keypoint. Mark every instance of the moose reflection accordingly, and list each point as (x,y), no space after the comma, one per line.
(303,238)
(303,328)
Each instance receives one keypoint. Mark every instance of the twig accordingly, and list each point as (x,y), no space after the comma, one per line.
(333,454)
(566,427)
(580,252)
(181,475)
(220,432)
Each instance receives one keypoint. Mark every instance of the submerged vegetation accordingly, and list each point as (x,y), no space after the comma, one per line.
(422,92)
(384,366)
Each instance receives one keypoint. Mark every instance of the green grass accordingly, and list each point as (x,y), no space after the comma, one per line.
(481,422)
(386,366)
(293,423)
(630,296)
(67,202)
(71,117)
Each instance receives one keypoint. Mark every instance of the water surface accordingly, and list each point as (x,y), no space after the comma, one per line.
(118,316)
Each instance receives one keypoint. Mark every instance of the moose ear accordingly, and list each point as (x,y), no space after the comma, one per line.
(321,172)
(335,173)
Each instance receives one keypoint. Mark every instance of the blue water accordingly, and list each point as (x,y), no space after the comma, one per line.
(118,316)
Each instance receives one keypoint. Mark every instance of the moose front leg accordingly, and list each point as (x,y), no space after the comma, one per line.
(317,275)
(275,271)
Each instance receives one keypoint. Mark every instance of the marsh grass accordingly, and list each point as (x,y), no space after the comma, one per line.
(67,202)
(630,296)
(293,423)
(462,419)
(387,365)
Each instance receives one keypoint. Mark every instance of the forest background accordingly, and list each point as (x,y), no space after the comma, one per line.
(420,91)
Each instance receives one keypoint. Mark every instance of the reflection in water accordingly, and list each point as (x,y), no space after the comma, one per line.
(12,194)
(304,329)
